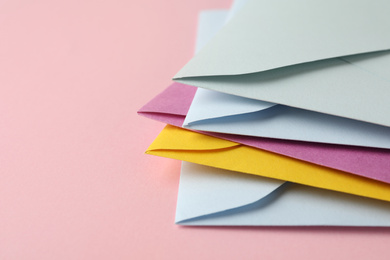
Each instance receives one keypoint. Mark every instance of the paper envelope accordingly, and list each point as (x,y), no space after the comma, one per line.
(185,145)
(211,196)
(172,104)
(288,52)
(219,112)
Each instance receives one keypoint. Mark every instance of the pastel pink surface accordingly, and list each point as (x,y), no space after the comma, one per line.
(172,105)
(74,182)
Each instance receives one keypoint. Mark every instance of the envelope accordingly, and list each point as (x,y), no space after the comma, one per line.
(178,143)
(223,113)
(280,52)
(211,196)
(219,112)
(171,106)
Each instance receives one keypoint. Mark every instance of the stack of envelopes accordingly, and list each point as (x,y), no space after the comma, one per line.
(282,117)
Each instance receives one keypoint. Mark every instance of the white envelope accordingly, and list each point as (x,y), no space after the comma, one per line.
(210,196)
(285,52)
(223,113)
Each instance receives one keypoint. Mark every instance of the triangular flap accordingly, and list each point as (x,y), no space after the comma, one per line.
(266,35)
(208,104)
(174,138)
(175,99)
(206,190)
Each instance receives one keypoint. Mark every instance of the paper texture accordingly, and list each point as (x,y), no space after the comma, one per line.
(280,52)
(210,196)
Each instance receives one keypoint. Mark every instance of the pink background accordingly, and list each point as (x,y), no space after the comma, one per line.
(74,181)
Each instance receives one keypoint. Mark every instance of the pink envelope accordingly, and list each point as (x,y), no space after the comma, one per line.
(171,107)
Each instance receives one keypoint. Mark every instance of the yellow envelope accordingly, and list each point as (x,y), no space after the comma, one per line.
(181,144)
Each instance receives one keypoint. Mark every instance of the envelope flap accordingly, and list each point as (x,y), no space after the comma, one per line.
(174,100)
(281,122)
(174,138)
(203,190)
(258,162)
(208,104)
(206,190)
(372,163)
(334,86)
(266,35)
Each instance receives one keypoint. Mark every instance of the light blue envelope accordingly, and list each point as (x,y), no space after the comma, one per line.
(285,51)
(211,196)
(223,113)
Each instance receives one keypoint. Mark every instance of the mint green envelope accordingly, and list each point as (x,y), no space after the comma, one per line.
(286,52)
